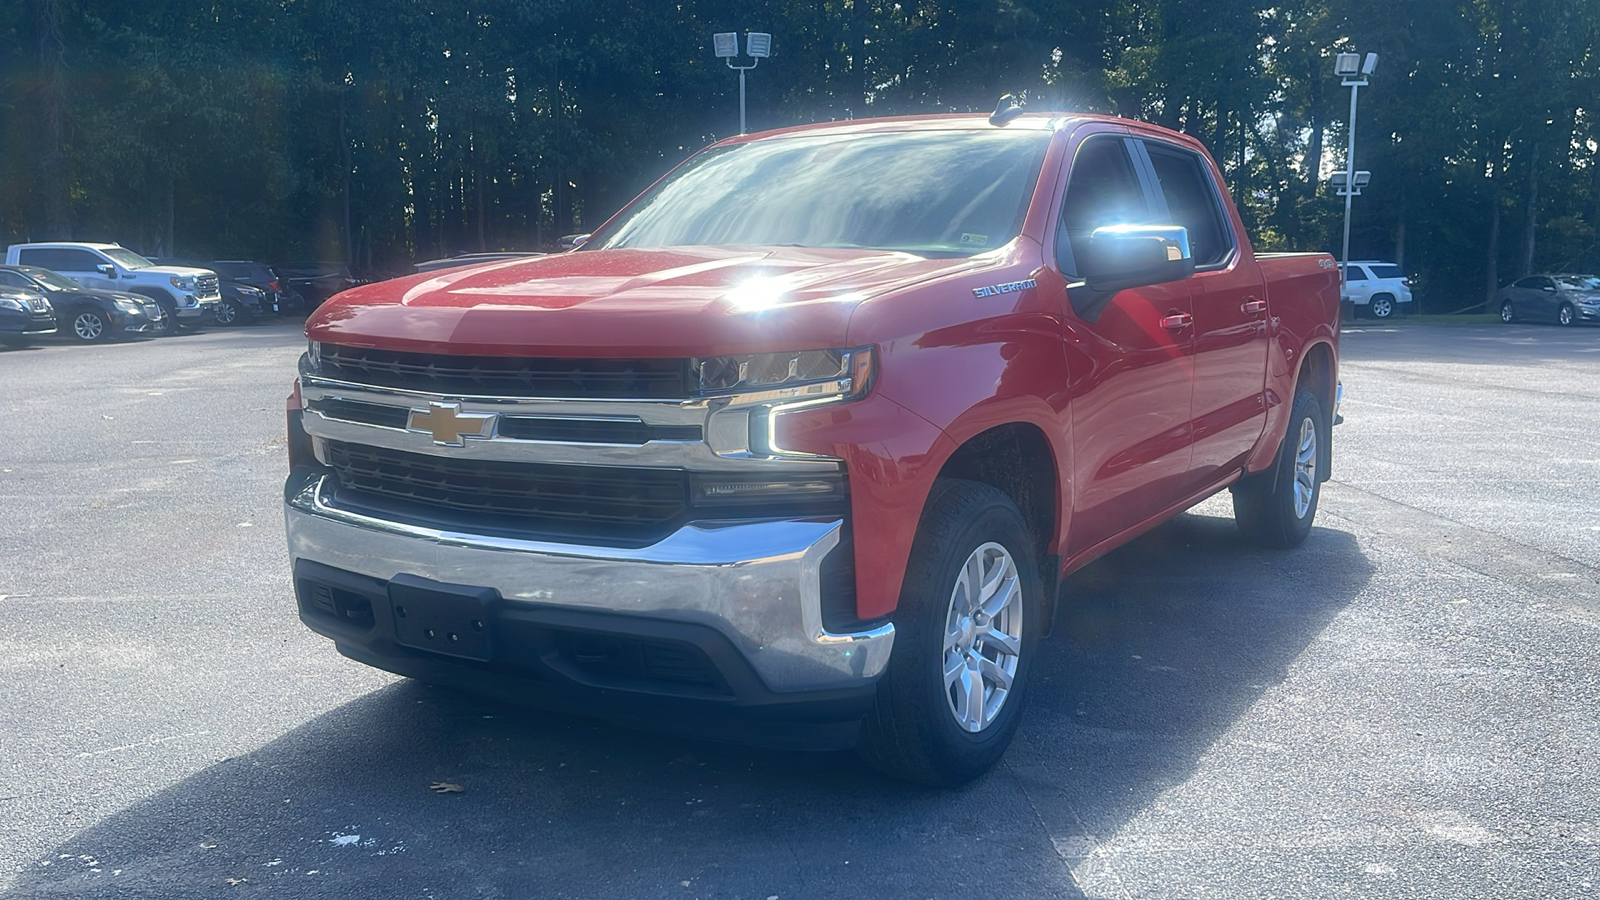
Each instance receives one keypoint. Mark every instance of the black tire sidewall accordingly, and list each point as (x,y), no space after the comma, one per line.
(1374,305)
(1571,314)
(915,675)
(1508,313)
(1306,406)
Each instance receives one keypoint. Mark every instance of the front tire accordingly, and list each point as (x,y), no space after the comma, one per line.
(1276,507)
(91,326)
(1507,314)
(966,632)
(1565,315)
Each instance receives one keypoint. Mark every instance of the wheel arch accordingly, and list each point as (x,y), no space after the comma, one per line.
(154,293)
(1319,372)
(1018,459)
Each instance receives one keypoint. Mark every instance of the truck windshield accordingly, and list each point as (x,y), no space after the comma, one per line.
(127,258)
(947,193)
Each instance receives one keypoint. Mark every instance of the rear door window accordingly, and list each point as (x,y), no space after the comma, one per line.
(1192,201)
(59,259)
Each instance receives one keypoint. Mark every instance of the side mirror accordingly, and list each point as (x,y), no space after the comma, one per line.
(107,269)
(1549,287)
(1128,256)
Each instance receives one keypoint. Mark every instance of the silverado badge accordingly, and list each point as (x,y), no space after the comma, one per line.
(1007,288)
(450,426)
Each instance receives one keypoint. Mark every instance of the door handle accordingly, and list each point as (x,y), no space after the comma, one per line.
(1177,321)
(1254,306)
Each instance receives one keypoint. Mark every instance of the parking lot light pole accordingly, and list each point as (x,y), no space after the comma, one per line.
(1354,71)
(726,46)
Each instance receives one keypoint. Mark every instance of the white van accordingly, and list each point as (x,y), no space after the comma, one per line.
(189,296)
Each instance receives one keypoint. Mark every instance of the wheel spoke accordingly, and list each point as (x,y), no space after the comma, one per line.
(995,673)
(954,664)
(972,706)
(997,577)
(952,631)
(1009,644)
(1002,598)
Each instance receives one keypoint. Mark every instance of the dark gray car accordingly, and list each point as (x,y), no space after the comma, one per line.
(1563,299)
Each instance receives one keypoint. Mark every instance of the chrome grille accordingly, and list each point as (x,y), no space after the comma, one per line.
(206,284)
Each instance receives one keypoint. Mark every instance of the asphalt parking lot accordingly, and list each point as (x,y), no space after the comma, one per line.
(1409,705)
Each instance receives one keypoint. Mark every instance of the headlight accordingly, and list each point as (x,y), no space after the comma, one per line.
(127,306)
(13,303)
(182,282)
(801,375)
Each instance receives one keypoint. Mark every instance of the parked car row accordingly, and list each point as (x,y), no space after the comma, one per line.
(101,292)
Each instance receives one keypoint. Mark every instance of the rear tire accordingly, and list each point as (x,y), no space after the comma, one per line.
(231,313)
(1507,314)
(966,632)
(1382,306)
(1276,507)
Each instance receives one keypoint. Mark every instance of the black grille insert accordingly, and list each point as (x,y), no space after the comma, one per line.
(506,376)
(559,501)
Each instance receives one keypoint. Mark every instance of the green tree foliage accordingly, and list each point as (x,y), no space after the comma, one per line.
(378,131)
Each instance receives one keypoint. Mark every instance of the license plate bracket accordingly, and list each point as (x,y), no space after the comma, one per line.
(450,619)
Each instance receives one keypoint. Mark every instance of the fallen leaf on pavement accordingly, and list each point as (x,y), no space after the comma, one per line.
(445,787)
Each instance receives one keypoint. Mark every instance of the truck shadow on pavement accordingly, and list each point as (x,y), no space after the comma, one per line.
(1166,645)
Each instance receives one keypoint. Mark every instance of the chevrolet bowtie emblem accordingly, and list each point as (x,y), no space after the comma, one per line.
(450,426)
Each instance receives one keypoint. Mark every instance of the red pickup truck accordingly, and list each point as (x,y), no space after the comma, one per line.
(810,432)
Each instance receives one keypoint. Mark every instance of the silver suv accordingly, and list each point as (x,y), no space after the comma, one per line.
(188,296)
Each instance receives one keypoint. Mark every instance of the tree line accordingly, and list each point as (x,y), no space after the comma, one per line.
(381,131)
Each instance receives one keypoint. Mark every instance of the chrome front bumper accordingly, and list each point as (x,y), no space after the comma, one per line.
(755,582)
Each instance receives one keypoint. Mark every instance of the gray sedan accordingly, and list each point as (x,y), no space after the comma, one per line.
(1563,299)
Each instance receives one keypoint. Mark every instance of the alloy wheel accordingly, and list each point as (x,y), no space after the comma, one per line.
(1305,468)
(88,326)
(983,637)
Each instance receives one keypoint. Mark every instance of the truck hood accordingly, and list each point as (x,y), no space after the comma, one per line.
(176,272)
(677,301)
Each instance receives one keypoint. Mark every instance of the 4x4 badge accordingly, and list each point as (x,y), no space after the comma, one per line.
(450,426)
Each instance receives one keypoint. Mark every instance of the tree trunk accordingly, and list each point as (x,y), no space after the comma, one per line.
(858,35)
(344,174)
(53,161)
(1530,216)
(1492,273)
(169,243)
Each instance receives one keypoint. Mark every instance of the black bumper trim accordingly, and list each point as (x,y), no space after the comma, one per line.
(539,660)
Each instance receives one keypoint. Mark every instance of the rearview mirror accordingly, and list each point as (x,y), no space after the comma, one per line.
(1127,256)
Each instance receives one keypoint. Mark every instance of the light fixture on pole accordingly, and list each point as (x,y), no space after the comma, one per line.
(726,46)
(1353,70)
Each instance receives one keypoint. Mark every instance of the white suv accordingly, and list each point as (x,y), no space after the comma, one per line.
(188,296)
(1380,289)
